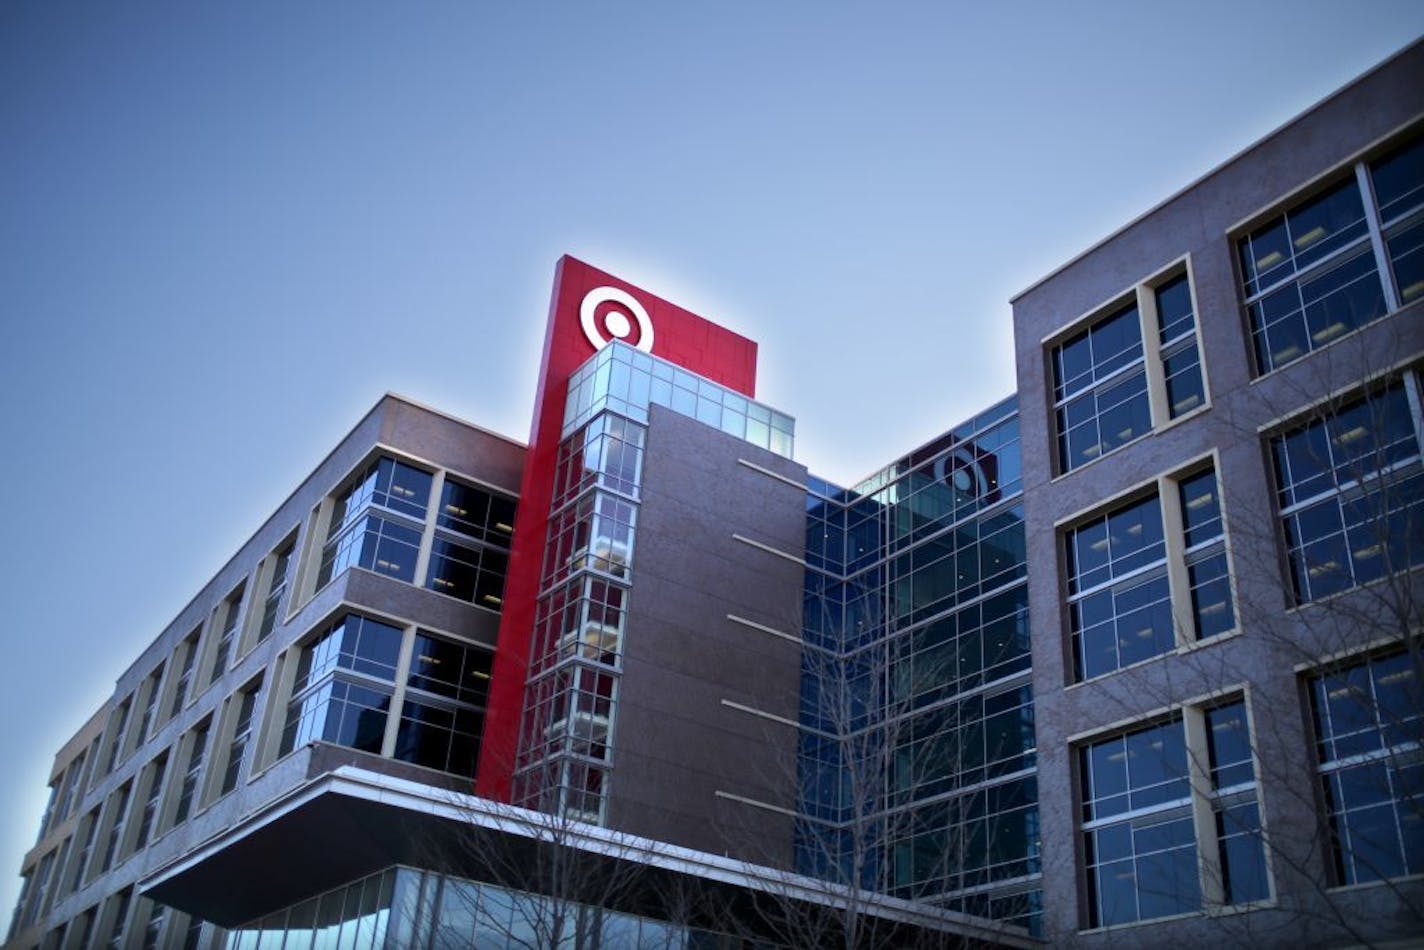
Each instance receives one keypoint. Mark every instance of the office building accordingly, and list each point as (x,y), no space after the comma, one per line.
(1131,656)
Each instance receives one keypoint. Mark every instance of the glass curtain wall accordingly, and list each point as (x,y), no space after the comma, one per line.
(403,908)
(917,761)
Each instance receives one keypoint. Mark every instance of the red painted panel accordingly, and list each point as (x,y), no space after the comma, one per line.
(679,336)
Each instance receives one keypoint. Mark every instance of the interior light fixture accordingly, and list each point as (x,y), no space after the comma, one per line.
(1328,333)
(1351,435)
(1268,261)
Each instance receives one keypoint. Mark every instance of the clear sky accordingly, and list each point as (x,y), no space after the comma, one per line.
(226,229)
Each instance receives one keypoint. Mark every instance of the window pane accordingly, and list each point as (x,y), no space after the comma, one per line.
(1093,422)
(1399,180)
(1360,470)
(1367,719)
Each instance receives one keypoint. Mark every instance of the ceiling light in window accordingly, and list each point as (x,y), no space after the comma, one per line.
(1199,500)
(1328,333)
(1310,237)
(1182,405)
(1351,435)
(1269,260)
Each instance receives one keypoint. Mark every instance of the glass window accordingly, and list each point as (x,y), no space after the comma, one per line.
(449,669)
(441,718)
(1181,361)
(192,775)
(476,513)
(472,573)
(119,904)
(119,810)
(1100,389)
(1398,180)
(69,790)
(369,526)
(151,686)
(1351,493)
(1140,840)
(353,643)
(1367,723)
(188,658)
(1120,589)
(1233,796)
(276,587)
(231,615)
(1145,865)
(377,544)
(1311,274)
(1119,599)
(118,723)
(343,712)
(389,484)
(85,927)
(32,903)
(1213,611)
(438,736)
(152,802)
(153,929)
(241,738)
(344,685)
(89,833)
(628,382)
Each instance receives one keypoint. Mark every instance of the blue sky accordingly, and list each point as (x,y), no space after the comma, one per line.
(225,230)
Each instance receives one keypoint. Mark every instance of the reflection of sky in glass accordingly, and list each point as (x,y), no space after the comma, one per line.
(628,381)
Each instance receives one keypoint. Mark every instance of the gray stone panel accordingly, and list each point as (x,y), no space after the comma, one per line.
(676,743)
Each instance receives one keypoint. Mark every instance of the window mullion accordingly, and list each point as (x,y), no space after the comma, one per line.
(393,717)
(1179,583)
(1372,221)
(1209,863)
(1416,406)
(1148,323)
(427,531)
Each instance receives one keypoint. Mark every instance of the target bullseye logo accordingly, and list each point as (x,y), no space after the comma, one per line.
(615,319)
(963,472)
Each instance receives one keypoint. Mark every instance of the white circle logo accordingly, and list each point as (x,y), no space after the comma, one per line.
(615,321)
